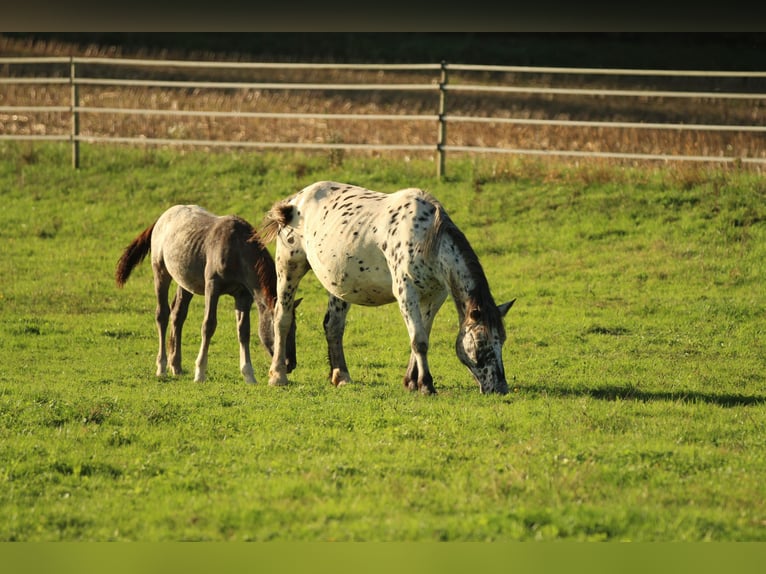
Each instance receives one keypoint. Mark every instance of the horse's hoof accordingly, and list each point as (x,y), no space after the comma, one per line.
(340,378)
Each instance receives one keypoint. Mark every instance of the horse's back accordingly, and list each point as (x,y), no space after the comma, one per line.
(356,239)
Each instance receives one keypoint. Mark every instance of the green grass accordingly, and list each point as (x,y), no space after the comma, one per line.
(635,358)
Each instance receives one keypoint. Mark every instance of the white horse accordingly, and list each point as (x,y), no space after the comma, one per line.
(372,248)
(211,255)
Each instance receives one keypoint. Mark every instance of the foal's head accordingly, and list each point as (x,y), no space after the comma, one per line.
(266,334)
(479,346)
(266,301)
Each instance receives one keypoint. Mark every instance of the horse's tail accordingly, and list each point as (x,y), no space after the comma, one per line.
(278,216)
(133,255)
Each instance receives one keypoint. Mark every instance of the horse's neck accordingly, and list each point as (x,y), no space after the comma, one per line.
(458,274)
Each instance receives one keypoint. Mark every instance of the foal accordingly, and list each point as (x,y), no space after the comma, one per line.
(211,255)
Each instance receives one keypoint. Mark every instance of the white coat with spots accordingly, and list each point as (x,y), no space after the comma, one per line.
(372,248)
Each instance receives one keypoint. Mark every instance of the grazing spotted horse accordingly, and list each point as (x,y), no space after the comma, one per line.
(372,248)
(211,255)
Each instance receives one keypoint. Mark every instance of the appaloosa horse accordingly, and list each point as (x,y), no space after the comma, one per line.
(211,255)
(373,248)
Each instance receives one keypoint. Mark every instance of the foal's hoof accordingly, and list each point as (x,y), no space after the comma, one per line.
(278,380)
(413,386)
(409,384)
(247,373)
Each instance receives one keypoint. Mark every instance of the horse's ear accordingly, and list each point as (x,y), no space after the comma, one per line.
(505,307)
(297,302)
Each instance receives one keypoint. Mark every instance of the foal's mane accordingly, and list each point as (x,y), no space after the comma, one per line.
(481,296)
(264,266)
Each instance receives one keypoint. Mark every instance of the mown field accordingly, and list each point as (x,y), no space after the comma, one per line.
(635,357)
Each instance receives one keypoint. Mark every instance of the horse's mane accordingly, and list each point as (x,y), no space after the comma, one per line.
(481,296)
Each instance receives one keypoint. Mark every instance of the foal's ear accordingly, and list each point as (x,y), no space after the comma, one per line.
(297,302)
(505,307)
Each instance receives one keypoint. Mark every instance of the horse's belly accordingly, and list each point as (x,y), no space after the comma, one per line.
(357,280)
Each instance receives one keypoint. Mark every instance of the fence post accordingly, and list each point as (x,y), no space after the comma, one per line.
(75,116)
(442,134)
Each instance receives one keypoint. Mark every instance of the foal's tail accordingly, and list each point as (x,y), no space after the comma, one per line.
(133,255)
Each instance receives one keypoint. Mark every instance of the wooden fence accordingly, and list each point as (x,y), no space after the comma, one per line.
(431,79)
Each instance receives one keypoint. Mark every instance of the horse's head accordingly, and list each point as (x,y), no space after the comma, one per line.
(479,347)
(266,334)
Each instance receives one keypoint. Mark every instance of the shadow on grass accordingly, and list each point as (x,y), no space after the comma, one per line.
(628,393)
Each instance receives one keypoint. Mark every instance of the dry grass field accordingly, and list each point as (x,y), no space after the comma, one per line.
(737,144)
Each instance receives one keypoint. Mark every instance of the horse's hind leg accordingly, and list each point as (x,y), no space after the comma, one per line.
(178,311)
(162,313)
(209,324)
(334,326)
(242,305)
(291,265)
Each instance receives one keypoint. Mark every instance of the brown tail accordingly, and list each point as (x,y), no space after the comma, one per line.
(133,255)
(278,216)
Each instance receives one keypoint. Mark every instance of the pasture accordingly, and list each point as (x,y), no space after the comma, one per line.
(635,359)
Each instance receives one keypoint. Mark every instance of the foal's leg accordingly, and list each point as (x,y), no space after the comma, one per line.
(178,311)
(208,329)
(242,305)
(430,309)
(409,305)
(162,313)
(334,326)
(291,266)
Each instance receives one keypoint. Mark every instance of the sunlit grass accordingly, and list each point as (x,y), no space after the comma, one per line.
(635,362)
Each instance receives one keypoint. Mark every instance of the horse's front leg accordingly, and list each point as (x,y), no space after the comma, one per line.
(430,308)
(209,323)
(162,314)
(334,326)
(418,329)
(291,265)
(178,312)
(242,305)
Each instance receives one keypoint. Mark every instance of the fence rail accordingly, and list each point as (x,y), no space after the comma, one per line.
(441,84)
